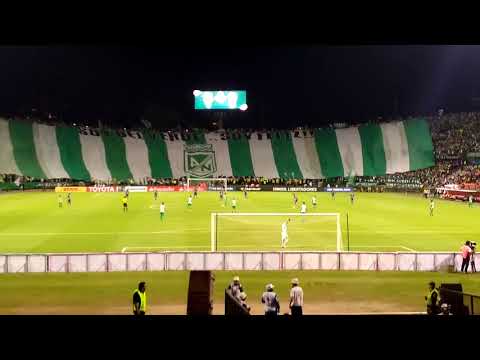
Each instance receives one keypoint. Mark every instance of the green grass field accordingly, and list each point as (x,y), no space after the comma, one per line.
(326,292)
(33,223)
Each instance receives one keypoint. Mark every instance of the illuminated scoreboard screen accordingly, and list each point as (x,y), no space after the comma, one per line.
(220,100)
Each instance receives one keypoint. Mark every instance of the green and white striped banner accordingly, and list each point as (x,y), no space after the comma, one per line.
(44,151)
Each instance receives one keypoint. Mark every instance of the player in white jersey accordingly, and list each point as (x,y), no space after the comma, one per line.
(285,233)
(303,210)
(60,201)
(234,204)
(189,201)
(162,210)
(432,206)
(314,201)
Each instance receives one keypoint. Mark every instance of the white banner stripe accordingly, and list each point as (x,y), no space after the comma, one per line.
(262,157)
(396,147)
(48,153)
(137,158)
(307,157)
(222,154)
(8,164)
(93,152)
(175,150)
(350,147)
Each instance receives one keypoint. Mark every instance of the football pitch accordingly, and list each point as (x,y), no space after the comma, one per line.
(32,222)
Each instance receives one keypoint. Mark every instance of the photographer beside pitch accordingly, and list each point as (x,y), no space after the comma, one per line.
(473,246)
(466,254)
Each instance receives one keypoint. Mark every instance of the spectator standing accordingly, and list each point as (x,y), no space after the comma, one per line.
(466,251)
(445,309)
(235,287)
(432,299)
(270,299)
(140,300)
(243,299)
(296,298)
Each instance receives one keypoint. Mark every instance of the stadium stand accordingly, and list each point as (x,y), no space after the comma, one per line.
(388,155)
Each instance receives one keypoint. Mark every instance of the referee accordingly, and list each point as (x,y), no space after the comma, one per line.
(296,298)
(140,300)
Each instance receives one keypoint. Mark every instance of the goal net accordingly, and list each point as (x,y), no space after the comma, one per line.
(263,231)
(205,184)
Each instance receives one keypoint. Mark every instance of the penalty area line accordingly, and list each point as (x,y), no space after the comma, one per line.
(408,249)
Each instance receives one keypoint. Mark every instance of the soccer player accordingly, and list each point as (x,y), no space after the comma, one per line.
(126,193)
(295,200)
(303,210)
(60,201)
(189,201)
(285,233)
(245,192)
(314,201)
(225,198)
(195,192)
(470,201)
(221,195)
(125,203)
(432,206)
(69,199)
(352,197)
(155,195)
(162,211)
(333,193)
(234,204)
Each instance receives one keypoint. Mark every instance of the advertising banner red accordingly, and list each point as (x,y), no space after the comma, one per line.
(165,188)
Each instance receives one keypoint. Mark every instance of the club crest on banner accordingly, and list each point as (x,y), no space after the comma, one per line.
(199,160)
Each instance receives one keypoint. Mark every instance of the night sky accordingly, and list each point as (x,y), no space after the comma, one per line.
(311,85)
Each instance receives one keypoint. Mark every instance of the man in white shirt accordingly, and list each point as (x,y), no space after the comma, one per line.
(303,211)
(432,206)
(190,200)
(285,234)
(162,210)
(270,299)
(296,298)
(314,201)
(234,204)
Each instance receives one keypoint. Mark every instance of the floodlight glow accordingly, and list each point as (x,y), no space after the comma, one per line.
(243,107)
(197,93)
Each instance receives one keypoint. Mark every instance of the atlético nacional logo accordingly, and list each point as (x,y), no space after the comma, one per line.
(199,160)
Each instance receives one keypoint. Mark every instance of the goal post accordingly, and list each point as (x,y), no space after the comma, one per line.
(218,215)
(192,181)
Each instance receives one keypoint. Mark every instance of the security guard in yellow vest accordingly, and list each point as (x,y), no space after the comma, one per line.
(140,300)
(432,299)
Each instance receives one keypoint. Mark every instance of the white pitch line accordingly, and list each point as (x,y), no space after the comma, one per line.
(124,249)
(406,248)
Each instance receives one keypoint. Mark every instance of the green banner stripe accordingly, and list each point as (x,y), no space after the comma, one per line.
(240,157)
(116,157)
(374,162)
(21,135)
(158,156)
(420,146)
(284,155)
(68,141)
(328,153)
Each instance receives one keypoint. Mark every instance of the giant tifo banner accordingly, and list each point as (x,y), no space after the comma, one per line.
(44,151)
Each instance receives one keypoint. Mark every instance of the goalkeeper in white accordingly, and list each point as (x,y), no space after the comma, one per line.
(285,234)
(303,211)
